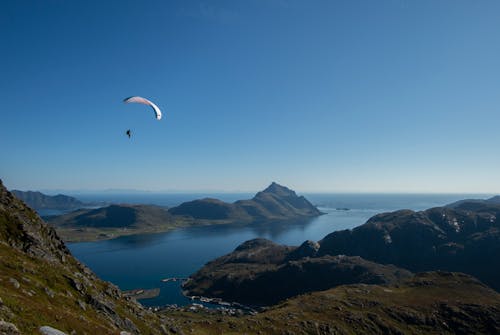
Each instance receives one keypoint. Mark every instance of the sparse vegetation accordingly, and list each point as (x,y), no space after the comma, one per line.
(429,303)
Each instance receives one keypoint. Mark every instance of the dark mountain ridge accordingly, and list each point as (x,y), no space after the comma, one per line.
(465,238)
(473,202)
(38,200)
(261,272)
(124,216)
(210,209)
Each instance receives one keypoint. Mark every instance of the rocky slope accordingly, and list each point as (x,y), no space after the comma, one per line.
(276,202)
(43,285)
(428,303)
(465,238)
(38,200)
(260,272)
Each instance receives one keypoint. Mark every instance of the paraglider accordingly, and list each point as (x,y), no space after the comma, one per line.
(144,101)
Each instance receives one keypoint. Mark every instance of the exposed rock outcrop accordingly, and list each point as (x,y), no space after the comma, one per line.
(428,303)
(47,330)
(465,239)
(260,272)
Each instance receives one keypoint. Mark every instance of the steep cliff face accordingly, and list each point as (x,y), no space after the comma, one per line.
(43,285)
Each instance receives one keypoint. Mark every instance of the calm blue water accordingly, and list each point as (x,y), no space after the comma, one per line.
(141,261)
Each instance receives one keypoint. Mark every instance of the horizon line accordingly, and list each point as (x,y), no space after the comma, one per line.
(214,191)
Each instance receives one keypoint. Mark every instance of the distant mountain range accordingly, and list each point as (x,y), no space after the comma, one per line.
(113,216)
(474,202)
(38,200)
(274,203)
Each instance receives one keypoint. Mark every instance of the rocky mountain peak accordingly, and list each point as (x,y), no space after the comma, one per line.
(279,190)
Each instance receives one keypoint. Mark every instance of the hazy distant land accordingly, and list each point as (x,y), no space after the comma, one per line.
(40,201)
(275,203)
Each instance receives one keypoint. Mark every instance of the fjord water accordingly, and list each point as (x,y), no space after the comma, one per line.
(141,261)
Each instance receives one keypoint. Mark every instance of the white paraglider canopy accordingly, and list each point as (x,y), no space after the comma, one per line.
(141,100)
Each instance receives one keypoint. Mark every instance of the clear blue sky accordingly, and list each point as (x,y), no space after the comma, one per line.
(358,96)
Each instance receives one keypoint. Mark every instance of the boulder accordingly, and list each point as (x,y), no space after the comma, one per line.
(7,328)
(47,330)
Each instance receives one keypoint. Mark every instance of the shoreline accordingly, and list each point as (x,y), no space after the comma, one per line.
(140,294)
(86,234)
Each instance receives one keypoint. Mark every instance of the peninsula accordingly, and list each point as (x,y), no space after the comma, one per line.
(275,203)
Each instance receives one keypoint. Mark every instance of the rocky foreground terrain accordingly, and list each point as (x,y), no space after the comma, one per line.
(260,272)
(428,303)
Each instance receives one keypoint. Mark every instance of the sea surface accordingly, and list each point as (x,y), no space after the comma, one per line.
(142,261)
